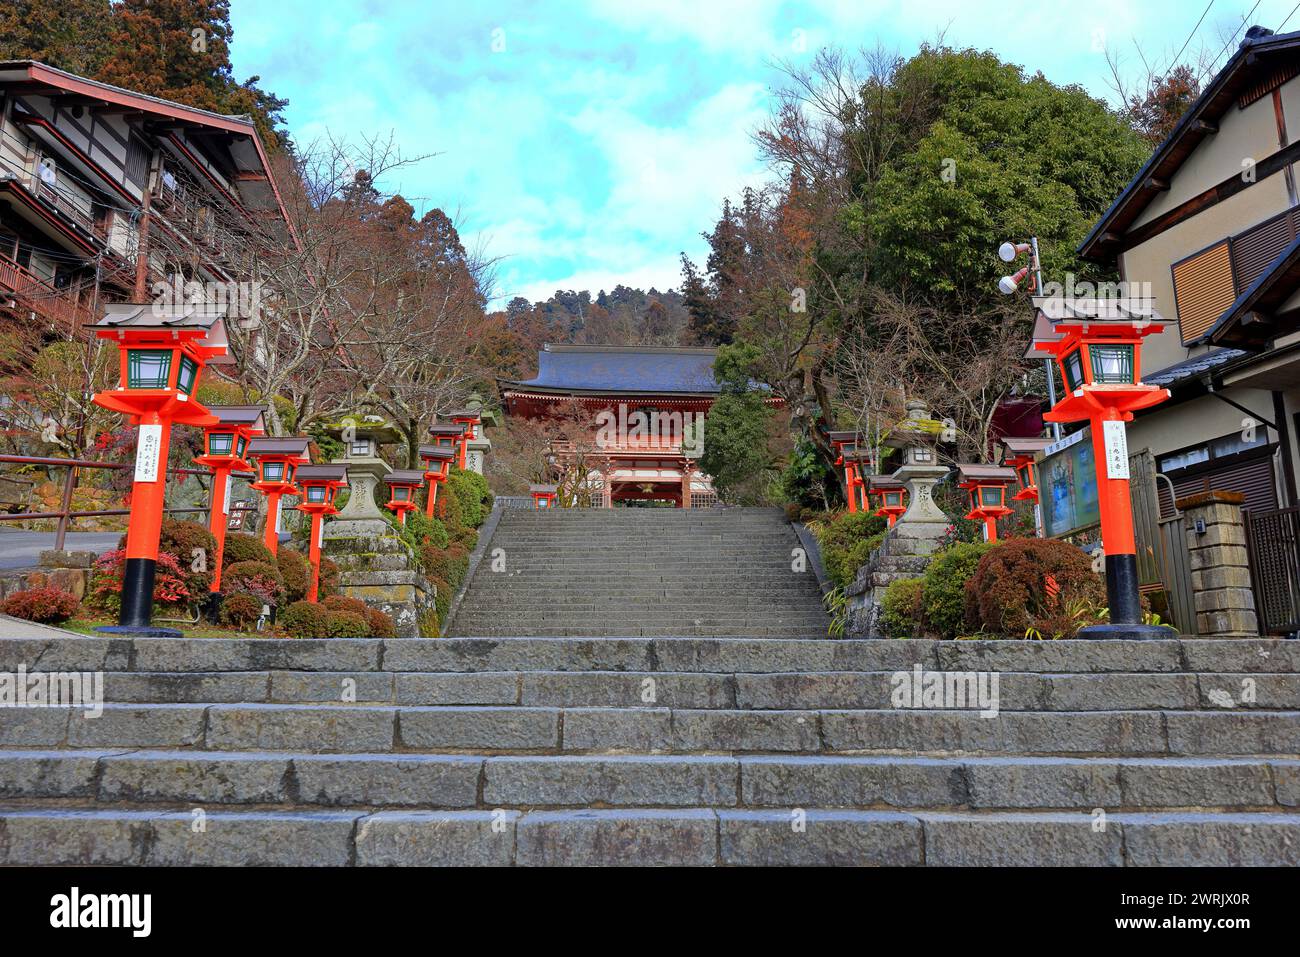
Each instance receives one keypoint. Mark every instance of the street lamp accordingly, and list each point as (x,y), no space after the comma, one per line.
(319,484)
(987,485)
(276,462)
(224,447)
(1098,346)
(1008,253)
(403,485)
(162,357)
(437,465)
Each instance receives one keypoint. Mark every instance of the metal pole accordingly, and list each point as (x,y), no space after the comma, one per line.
(1047,363)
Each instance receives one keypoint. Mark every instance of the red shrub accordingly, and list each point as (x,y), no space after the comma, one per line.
(1008,592)
(48,605)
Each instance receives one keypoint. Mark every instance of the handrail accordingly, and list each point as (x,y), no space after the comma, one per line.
(40,295)
(66,513)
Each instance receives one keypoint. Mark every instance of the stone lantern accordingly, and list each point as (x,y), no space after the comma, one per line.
(361,515)
(923,520)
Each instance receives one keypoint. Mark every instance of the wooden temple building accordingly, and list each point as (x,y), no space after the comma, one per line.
(636,417)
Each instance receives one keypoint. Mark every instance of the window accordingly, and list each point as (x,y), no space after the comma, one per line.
(991,495)
(401,494)
(148,368)
(243,444)
(360,447)
(1203,289)
(1111,364)
(1073,366)
(316,493)
(189,373)
(1217,449)
(220,443)
(272,471)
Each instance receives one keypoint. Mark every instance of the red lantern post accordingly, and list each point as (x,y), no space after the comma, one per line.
(471,420)
(987,485)
(451,436)
(163,354)
(276,461)
(890,495)
(437,464)
(403,485)
(1022,454)
(845,443)
(224,447)
(319,485)
(1097,345)
(543,495)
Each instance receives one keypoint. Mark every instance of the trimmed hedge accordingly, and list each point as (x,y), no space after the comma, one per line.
(943,598)
(295,570)
(262,580)
(47,605)
(240,611)
(346,624)
(303,619)
(900,609)
(847,541)
(244,548)
(1008,592)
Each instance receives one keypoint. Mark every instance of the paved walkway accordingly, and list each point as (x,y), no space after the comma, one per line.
(23,549)
(17,628)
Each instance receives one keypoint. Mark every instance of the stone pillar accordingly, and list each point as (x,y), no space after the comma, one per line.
(1221,588)
(476,451)
(687,471)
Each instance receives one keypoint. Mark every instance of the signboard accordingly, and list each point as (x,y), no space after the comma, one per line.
(225,502)
(1116,449)
(1068,486)
(148,452)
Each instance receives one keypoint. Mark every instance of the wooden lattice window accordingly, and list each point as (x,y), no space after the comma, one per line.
(1203,289)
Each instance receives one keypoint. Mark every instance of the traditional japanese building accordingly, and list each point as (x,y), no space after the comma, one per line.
(638,418)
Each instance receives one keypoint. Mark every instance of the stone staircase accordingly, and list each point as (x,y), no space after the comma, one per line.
(689,750)
(642,571)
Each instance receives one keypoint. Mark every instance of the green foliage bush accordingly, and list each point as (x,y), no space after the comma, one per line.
(847,541)
(943,601)
(303,619)
(346,624)
(419,528)
(354,606)
(244,548)
(900,610)
(295,570)
(1008,593)
(240,611)
(181,539)
(48,605)
(380,624)
(262,580)
(329,578)
(472,494)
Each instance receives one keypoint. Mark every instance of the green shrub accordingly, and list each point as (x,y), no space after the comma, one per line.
(48,605)
(329,578)
(420,528)
(346,603)
(240,611)
(847,541)
(295,569)
(244,548)
(182,539)
(1008,592)
(380,623)
(900,609)
(448,509)
(346,624)
(472,494)
(262,580)
(943,599)
(302,619)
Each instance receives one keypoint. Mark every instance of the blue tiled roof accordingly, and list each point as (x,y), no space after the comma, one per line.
(620,369)
(1194,366)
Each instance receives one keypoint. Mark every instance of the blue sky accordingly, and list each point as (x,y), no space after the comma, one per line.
(590,142)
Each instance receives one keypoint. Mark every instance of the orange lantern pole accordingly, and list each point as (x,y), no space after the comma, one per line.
(319,484)
(276,461)
(845,444)
(1097,346)
(403,484)
(163,354)
(224,447)
(471,420)
(890,494)
(987,485)
(437,464)
(543,495)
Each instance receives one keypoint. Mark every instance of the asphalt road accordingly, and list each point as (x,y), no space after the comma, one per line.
(23,549)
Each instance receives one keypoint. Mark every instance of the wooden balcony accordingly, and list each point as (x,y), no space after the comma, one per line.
(41,297)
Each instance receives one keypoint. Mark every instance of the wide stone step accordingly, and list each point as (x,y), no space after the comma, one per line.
(471,781)
(347,728)
(771,691)
(726,655)
(634,836)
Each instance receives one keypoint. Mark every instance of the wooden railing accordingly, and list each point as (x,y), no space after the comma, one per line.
(40,296)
